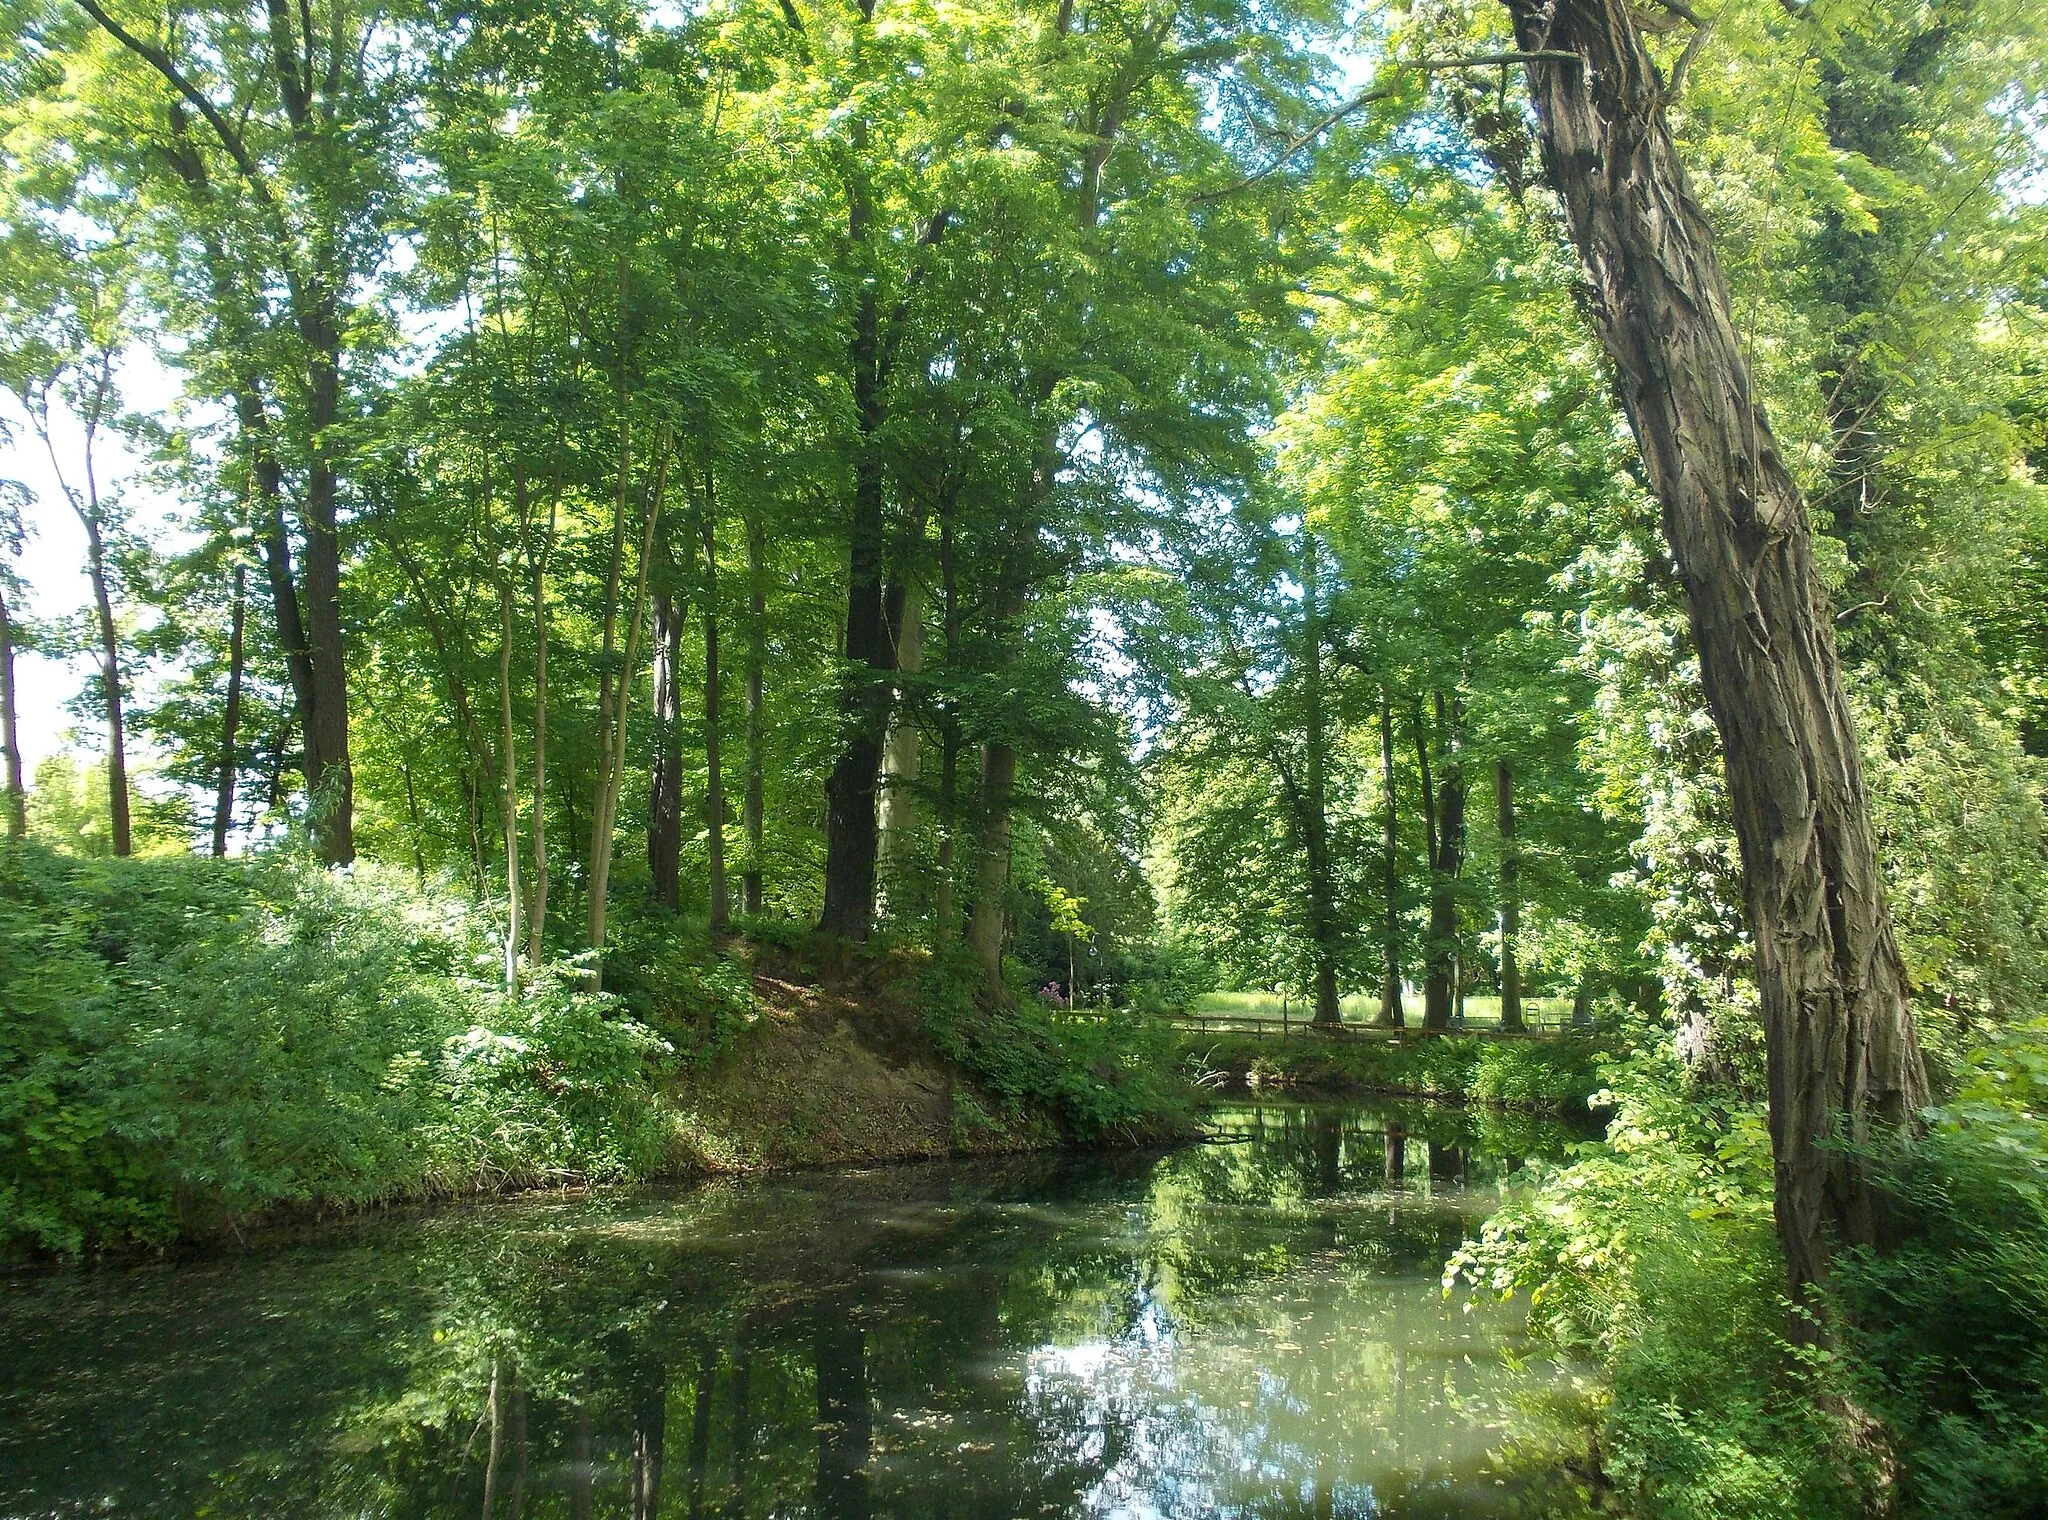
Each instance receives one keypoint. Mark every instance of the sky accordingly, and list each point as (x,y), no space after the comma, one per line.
(53,561)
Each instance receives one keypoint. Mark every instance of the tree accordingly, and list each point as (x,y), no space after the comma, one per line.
(62,324)
(1843,1050)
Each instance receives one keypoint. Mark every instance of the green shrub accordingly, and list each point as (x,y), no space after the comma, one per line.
(669,976)
(190,1041)
(1947,1335)
(1102,1078)
(1653,1252)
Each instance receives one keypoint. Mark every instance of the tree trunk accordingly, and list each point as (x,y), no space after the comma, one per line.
(992,865)
(231,721)
(714,783)
(1510,900)
(900,754)
(617,696)
(110,672)
(1392,1015)
(850,831)
(751,795)
(537,903)
(1443,808)
(1843,1053)
(951,741)
(508,788)
(10,732)
(331,808)
(1322,903)
(665,778)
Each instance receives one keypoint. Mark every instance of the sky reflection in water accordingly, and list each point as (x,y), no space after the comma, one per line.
(1250,1328)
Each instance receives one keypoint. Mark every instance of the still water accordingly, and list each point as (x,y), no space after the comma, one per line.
(1251,1327)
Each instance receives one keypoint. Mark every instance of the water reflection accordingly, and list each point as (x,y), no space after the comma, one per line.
(1247,1328)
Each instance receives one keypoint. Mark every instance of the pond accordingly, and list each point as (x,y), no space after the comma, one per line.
(1249,1327)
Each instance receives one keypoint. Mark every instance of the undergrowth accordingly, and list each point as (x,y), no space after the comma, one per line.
(191,1042)
(1653,1253)
(1103,1077)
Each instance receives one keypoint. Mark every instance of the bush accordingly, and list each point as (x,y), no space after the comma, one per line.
(190,1041)
(1947,1336)
(1110,1078)
(1653,1252)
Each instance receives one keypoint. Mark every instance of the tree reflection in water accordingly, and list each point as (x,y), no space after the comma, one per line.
(1244,1329)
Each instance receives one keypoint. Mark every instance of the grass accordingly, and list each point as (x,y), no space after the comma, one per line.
(1542,1076)
(1364,1008)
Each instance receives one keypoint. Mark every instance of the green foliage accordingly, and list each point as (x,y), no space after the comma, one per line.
(1547,1076)
(1653,1251)
(1108,1077)
(668,975)
(190,1042)
(1948,1335)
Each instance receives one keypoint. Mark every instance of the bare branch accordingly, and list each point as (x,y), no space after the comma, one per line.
(1370,97)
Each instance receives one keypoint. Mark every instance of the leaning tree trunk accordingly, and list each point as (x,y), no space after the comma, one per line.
(1843,1054)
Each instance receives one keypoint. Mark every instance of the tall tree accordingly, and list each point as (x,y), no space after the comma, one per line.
(1844,1054)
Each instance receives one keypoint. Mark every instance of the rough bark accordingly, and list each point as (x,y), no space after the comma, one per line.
(1843,1053)
(1510,899)
(231,722)
(1392,1014)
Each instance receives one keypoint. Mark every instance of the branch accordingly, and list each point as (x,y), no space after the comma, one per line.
(1371,97)
(161,61)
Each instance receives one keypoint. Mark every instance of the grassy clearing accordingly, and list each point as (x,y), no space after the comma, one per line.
(1541,1076)
(1363,1008)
